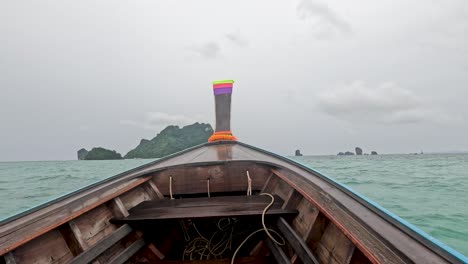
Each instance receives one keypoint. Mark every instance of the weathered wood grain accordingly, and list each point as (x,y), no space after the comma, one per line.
(277,252)
(97,249)
(134,197)
(94,225)
(75,246)
(334,247)
(223,178)
(296,242)
(14,234)
(9,258)
(117,207)
(305,219)
(128,252)
(155,189)
(48,248)
(376,249)
(205,207)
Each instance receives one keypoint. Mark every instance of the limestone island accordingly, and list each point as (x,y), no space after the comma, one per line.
(102,154)
(358,151)
(170,140)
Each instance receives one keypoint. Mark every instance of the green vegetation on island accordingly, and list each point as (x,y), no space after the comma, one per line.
(170,140)
(102,154)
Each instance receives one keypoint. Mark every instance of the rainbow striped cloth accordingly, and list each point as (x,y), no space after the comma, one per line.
(222,87)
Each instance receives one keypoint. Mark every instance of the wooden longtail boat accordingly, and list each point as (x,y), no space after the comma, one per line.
(206,204)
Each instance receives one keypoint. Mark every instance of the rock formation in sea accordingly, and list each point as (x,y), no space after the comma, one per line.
(347,153)
(358,151)
(170,140)
(373,153)
(298,153)
(82,154)
(102,154)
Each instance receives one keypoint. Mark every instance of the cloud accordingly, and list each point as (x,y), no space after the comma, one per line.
(208,50)
(159,120)
(325,22)
(83,128)
(385,103)
(238,39)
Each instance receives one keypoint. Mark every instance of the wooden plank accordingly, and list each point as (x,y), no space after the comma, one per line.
(277,252)
(296,242)
(223,178)
(48,248)
(206,207)
(94,225)
(150,191)
(267,182)
(293,199)
(282,189)
(134,197)
(305,219)
(77,235)
(156,251)
(269,186)
(316,230)
(209,201)
(360,235)
(25,229)
(335,246)
(256,250)
(118,208)
(128,252)
(156,189)
(9,258)
(71,239)
(96,250)
(118,247)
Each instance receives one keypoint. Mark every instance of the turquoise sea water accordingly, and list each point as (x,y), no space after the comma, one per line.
(430,190)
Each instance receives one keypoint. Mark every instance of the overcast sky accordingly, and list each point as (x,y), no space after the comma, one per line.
(322,76)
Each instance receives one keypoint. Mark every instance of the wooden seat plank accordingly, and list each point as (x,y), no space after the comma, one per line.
(229,206)
(207,201)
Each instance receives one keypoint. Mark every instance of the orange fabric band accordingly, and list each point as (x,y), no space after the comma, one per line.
(221,135)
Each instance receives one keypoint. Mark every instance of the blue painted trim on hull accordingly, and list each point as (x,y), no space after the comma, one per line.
(420,232)
(361,198)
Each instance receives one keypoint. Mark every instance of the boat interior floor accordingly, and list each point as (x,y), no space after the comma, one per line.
(205,230)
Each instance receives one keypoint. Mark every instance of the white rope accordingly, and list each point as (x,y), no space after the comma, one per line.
(263,220)
(170,187)
(208,186)
(249,183)
(267,230)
